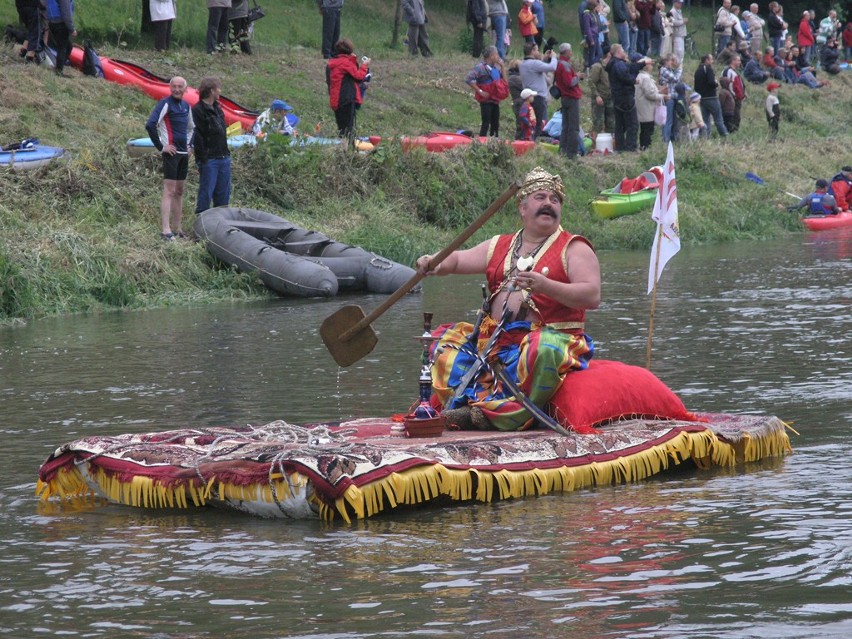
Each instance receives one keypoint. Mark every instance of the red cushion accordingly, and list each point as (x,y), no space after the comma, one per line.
(609,390)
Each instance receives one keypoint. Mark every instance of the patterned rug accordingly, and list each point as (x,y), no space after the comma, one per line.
(358,469)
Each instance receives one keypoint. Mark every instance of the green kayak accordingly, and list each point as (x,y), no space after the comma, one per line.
(629,196)
(610,203)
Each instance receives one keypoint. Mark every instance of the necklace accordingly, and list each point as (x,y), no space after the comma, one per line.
(525,262)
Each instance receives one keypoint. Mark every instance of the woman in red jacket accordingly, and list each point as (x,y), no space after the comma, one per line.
(805,37)
(344,76)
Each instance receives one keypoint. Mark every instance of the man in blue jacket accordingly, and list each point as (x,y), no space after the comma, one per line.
(170,128)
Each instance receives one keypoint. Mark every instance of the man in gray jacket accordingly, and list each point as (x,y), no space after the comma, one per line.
(330,10)
(414,13)
(533,70)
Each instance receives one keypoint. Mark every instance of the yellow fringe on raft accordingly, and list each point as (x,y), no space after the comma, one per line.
(424,483)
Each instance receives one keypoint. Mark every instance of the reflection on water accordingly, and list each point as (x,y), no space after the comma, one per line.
(755,552)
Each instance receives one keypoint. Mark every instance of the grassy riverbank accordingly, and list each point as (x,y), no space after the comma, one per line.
(83,235)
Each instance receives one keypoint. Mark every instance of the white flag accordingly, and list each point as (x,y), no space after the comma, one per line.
(667,235)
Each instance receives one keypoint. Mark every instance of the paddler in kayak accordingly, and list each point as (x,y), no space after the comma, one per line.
(530,331)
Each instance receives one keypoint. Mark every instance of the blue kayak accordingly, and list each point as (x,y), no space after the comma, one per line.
(143,146)
(30,158)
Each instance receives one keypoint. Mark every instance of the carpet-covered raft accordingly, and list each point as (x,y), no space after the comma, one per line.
(358,469)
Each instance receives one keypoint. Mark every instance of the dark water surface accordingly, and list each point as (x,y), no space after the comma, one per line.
(761,551)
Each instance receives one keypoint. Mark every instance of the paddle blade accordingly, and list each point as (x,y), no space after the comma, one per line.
(361,343)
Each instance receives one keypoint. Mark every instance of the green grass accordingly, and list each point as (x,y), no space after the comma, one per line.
(82,235)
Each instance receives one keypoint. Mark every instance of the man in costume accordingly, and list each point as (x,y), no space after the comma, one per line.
(530,331)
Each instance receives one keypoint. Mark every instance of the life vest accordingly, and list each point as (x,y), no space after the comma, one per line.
(816,206)
(552,257)
(838,178)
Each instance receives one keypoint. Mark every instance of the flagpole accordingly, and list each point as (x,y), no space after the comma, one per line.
(654,297)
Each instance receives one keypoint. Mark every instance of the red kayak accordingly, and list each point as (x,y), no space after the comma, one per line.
(825,222)
(157,87)
(444,141)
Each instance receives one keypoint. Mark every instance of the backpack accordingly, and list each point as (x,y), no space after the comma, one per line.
(91,61)
(682,111)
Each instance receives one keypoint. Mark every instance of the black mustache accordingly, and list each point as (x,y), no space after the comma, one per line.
(546,210)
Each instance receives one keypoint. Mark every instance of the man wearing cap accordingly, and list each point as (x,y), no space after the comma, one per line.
(568,83)
(820,202)
(622,82)
(274,119)
(841,188)
(541,281)
(533,70)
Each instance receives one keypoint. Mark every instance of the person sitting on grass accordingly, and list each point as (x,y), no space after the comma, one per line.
(274,120)
(819,203)
(829,57)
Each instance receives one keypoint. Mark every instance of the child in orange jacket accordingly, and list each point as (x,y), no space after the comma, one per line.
(527,22)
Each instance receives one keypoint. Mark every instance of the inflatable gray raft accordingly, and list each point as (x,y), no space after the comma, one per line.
(291,260)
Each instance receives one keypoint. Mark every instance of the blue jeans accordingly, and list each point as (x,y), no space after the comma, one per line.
(643,41)
(669,125)
(723,42)
(498,23)
(623,30)
(656,41)
(592,54)
(634,36)
(712,106)
(214,183)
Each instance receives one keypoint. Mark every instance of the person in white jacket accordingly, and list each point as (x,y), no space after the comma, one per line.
(755,27)
(678,28)
(648,97)
(162,15)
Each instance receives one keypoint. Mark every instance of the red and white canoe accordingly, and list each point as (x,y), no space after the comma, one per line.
(157,87)
(825,222)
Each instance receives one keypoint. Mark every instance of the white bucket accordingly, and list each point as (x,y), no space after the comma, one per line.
(603,143)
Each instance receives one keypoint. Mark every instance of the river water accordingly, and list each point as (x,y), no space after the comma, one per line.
(760,551)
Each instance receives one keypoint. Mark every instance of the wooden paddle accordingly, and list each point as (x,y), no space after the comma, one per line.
(347,334)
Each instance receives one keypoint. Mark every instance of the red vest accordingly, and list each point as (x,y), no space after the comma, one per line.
(552,256)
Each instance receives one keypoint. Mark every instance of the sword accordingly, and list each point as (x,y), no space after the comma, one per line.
(527,403)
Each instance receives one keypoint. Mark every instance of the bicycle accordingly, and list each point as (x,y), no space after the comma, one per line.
(689,46)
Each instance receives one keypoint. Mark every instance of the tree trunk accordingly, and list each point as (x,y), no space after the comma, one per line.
(396,21)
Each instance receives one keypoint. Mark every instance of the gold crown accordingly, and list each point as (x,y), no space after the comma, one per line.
(540,180)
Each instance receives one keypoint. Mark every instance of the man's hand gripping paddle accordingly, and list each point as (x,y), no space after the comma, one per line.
(347,333)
